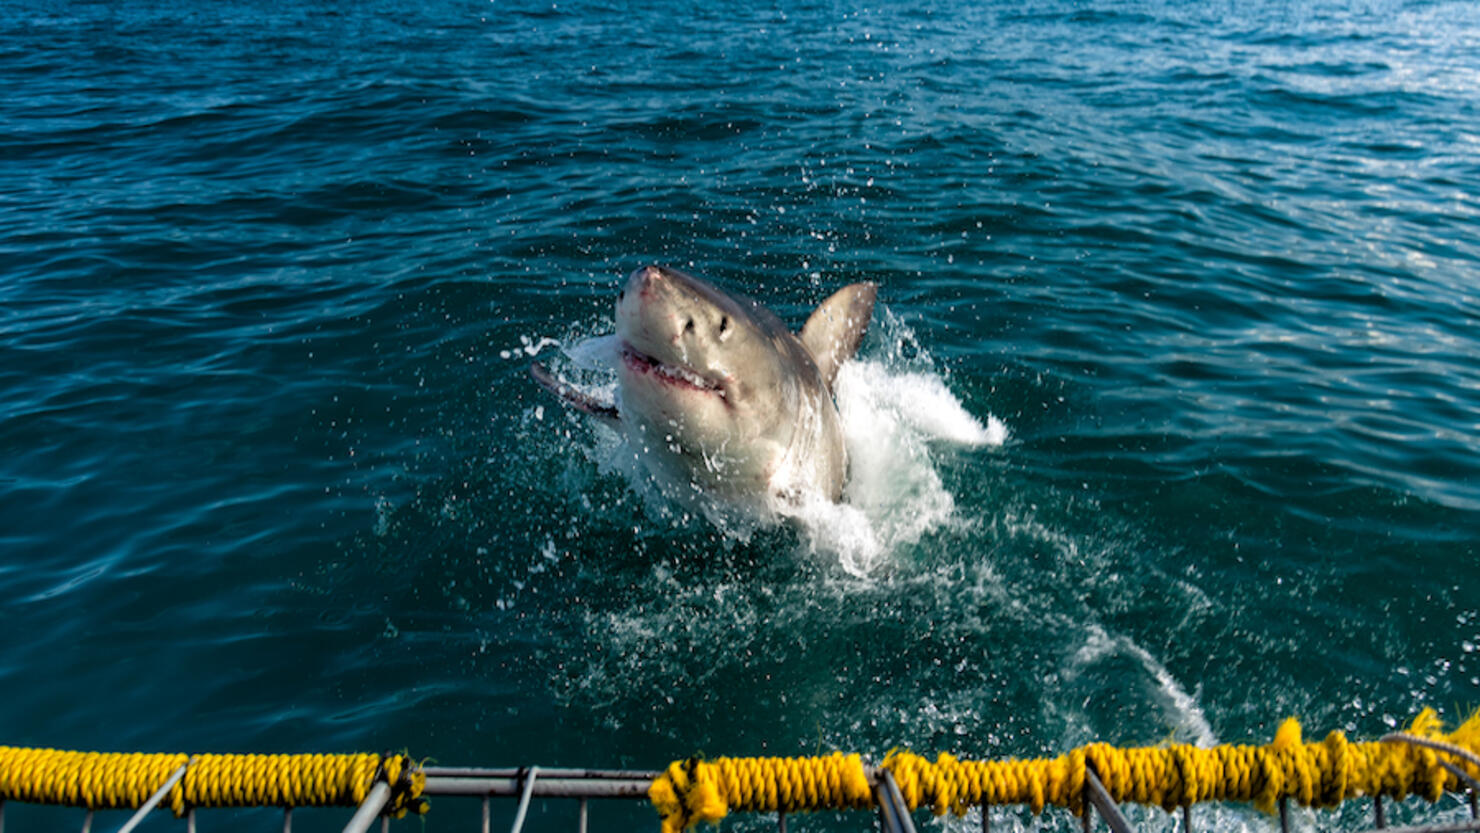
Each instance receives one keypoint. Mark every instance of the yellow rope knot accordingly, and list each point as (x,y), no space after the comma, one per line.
(407,782)
(685,794)
(693,791)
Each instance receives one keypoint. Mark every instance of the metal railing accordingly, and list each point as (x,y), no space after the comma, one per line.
(894,814)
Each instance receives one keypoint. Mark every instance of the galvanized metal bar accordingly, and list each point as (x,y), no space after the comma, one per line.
(986,819)
(580,828)
(158,796)
(544,788)
(487,818)
(1451,749)
(87,822)
(190,820)
(545,773)
(902,815)
(1463,776)
(2,815)
(1186,818)
(1284,814)
(534,772)
(369,808)
(1437,745)
(287,820)
(1379,819)
(781,821)
(1462,827)
(1103,803)
(888,813)
(385,824)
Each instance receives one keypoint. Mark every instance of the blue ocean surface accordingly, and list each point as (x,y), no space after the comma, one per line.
(274,476)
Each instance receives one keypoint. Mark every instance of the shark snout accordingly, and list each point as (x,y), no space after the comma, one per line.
(658,302)
(642,282)
(673,319)
(647,313)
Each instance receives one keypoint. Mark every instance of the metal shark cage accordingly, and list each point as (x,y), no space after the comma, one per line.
(894,814)
(381,788)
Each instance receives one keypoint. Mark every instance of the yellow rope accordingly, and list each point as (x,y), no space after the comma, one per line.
(1315,774)
(107,780)
(694,790)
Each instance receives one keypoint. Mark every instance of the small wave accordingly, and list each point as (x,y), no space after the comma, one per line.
(1181,711)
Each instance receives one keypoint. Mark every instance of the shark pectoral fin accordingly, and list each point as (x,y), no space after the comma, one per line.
(568,394)
(836,327)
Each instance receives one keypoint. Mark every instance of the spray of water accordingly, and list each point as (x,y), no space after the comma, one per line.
(896,420)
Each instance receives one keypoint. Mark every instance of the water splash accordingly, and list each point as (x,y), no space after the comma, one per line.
(898,417)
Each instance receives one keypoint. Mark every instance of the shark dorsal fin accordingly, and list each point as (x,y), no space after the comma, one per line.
(836,327)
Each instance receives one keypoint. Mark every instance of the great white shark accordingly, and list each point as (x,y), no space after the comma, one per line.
(720,398)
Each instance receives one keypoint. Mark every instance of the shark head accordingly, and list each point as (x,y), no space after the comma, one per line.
(724,395)
(702,370)
(718,397)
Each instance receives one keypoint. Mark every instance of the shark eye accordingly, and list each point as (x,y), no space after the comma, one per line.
(724,326)
(688,326)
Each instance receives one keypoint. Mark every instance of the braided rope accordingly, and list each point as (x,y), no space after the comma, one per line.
(1321,774)
(109,780)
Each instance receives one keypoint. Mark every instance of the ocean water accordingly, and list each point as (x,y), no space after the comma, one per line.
(1166,428)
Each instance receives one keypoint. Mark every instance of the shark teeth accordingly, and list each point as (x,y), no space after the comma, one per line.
(674,374)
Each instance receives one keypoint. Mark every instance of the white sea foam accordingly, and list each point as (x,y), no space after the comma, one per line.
(600,353)
(898,415)
(869,391)
(894,421)
(528,346)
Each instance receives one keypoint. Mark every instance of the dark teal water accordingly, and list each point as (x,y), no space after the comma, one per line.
(273,476)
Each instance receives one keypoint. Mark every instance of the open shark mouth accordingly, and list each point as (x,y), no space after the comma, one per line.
(668,373)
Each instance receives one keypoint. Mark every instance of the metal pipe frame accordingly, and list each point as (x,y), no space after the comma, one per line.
(1103,803)
(545,772)
(894,813)
(1461,827)
(148,806)
(369,808)
(525,793)
(546,786)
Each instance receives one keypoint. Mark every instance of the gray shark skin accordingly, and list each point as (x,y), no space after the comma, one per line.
(721,399)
